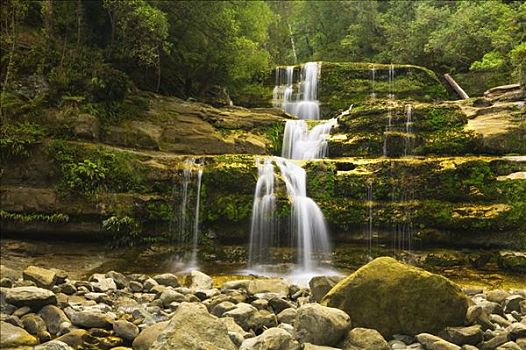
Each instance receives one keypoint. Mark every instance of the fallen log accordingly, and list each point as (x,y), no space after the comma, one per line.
(456,87)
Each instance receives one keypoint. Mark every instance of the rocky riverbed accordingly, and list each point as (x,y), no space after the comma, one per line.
(383,305)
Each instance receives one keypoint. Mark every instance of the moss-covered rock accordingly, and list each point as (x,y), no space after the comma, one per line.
(395,298)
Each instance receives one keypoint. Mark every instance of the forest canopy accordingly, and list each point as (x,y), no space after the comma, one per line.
(98,49)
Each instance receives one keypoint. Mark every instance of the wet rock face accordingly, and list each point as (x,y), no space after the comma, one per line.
(372,297)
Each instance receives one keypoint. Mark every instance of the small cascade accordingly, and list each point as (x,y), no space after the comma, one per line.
(264,222)
(373,82)
(301,143)
(188,230)
(391,97)
(302,101)
(307,224)
(408,129)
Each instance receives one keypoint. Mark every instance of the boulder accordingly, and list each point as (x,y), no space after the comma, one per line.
(509,346)
(321,285)
(126,330)
(7,272)
(321,325)
(242,314)
(199,280)
(54,318)
(33,297)
(169,296)
(87,127)
(365,339)
(192,327)
(432,342)
(53,345)
(271,339)
(120,280)
(12,336)
(463,335)
(395,298)
(269,285)
(43,278)
(101,283)
(34,324)
(167,279)
(308,346)
(89,317)
(148,336)
(76,338)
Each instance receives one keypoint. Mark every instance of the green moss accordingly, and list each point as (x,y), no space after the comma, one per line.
(320,179)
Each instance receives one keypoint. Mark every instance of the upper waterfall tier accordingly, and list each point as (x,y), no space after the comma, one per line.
(298,96)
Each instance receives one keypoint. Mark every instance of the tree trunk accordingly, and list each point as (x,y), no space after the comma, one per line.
(456,87)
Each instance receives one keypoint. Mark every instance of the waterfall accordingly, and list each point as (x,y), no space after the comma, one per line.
(188,231)
(408,129)
(307,224)
(390,96)
(373,81)
(264,224)
(302,101)
(301,143)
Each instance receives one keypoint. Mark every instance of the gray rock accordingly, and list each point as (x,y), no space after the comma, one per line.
(477,314)
(499,320)
(280,304)
(321,285)
(89,317)
(271,285)
(34,324)
(233,327)
(271,339)
(101,283)
(135,286)
(192,327)
(242,314)
(260,304)
(496,295)
(219,309)
(87,126)
(513,303)
(67,288)
(22,311)
(149,284)
(509,346)
(309,346)
(365,339)
(6,282)
(43,278)
(53,345)
(288,316)
(148,336)
(199,280)
(494,342)
(54,318)
(12,336)
(517,330)
(120,280)
(238,284)
(126,330)
(169,296)
(262,320)
(432,342)
(463,335)
(75,338)
(33,297)
(321,325)
(167,279)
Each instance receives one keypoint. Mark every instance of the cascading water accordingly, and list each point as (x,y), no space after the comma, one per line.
(373,81)
(391,97)
(301,143)
(307,224)
(370,217)
(188,231)
(303,101)
(408,129)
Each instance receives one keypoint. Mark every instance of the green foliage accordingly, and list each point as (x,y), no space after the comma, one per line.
(518,60)
(125,231)
(275,135)
(87,170)
(29,218)
(491,61)
(17,139)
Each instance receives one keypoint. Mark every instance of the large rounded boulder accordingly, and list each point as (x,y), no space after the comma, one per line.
(395,298)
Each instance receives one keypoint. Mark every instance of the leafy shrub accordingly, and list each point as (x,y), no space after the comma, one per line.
(490,61)
(16,140)
(108,85)
(125,231)
(85,176)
